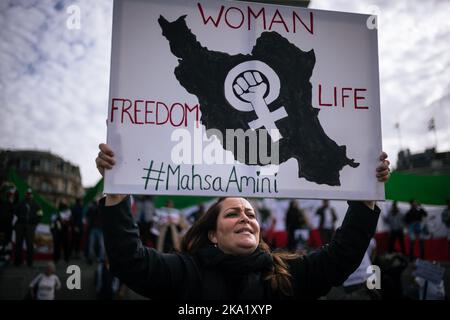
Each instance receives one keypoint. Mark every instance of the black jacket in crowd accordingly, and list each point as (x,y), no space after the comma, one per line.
(191,277)
(28,213)
(415,215)
(7,212)
(321,213)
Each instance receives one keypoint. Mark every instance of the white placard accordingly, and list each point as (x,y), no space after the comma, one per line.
(233,98)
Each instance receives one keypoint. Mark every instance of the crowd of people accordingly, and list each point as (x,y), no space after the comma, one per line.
(22,217)
(414,222)
(75,230)
(77,233)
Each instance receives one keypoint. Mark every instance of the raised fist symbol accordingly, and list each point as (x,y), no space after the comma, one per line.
(250,86)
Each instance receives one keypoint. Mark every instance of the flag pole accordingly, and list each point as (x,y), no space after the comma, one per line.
(397,126)
(432,126)
(435,138)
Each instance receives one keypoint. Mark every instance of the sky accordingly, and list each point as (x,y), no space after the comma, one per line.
(54,74)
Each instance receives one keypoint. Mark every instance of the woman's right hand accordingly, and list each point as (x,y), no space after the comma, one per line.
(105,161)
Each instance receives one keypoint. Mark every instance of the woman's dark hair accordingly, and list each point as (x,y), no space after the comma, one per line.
(197,238)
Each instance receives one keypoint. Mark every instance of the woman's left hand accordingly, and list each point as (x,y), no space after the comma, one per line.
(382,173)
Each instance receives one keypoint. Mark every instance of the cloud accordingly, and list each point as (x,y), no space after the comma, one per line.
(55,81)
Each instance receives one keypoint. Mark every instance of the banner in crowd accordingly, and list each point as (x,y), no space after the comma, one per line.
(427,189)
(218,98)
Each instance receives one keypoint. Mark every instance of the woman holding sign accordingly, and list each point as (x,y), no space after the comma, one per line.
(223,256)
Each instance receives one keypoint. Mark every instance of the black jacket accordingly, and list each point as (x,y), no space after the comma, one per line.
(28,212)
(415,215)
(321,213)
(7,212)
(182,276)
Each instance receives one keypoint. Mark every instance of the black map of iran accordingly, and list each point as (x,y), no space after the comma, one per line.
(205,73)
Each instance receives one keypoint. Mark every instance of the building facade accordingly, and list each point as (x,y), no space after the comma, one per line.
(429,162)
(49,175)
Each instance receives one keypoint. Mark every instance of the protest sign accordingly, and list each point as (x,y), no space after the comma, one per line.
(232,98)
(429,271)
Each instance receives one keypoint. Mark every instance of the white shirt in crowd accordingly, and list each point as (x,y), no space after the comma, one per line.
(66,215)
(46,286)
(360,275)
(164,215)
(328,222)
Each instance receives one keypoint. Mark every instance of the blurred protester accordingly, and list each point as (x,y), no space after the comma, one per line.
(394,220)
(77,227)
(197,213)
(145,219)
(445,216)
(328,218)
(96,245)
(8,206)
(355,287)
(28,214)
(356,283)
(267,222)
(296,220)
(106,285)
(56,230)
(414,221)
(43,286)
(171,228)
(60,227)
(393,268)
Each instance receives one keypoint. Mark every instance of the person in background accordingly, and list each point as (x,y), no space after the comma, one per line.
(445,217)
(66,221)
(56,230)
(197,213)
(77,227)
(328,218)
(43,286)
(356,283)
(355,286)
(8,206)
(394,220)
(28,214)
(60,227)
(295,220)
(414,220)
(171,227)
(95,234)
(145,219)
(106,285)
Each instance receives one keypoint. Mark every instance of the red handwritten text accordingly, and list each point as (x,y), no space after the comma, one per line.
(148,112)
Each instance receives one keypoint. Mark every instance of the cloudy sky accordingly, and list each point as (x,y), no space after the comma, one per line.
(54,79)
